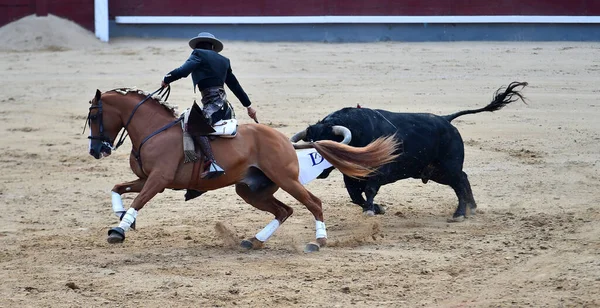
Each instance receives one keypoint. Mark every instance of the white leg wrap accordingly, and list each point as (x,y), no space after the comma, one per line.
(117,204)
(128,219)
(266,233)
(321,230)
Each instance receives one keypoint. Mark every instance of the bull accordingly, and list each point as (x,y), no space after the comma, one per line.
(432,148)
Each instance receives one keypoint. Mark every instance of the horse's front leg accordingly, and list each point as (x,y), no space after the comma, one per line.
(119,189)
(156,182)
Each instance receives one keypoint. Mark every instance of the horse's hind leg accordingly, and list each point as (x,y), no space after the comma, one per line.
(313,204)
(264,200)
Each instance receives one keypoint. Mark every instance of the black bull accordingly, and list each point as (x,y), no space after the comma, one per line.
(432,148)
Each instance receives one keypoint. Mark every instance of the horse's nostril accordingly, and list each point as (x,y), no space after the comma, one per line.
(92,152)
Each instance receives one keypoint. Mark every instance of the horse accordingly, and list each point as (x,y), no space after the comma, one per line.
(258,160)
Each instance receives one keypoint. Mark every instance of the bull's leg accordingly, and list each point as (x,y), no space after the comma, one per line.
(450,173)
(264,201)
(156,182)
(462,188)
(355,189)
(325,173)
(370,192)
(469,195)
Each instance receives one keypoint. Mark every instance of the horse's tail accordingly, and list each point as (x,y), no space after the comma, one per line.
(358,162)
(500,100)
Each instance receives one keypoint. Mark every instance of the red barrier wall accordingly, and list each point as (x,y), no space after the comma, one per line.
(351,7)
(82,11)
(79,11)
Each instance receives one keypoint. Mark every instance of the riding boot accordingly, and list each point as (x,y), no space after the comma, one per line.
(211,169)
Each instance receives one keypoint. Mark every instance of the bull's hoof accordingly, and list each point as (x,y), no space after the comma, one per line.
(250,244)
(116,235)
(369,213)
(457,219)
(379,209)
(311,247)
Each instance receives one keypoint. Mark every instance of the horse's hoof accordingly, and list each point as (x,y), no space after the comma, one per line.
(246,244)
(311,247)
(457,219)
(252,243)
(369,213)
(116,235)
(322,241)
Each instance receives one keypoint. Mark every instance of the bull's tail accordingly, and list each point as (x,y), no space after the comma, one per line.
(358,162)
(500,100)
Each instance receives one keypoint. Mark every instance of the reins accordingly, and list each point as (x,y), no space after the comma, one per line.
(164,93)
(138,154)
(164,97)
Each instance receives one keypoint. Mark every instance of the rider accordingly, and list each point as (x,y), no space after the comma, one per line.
(210,71)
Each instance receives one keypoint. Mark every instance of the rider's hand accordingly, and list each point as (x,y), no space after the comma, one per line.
(163,84)
(252,114)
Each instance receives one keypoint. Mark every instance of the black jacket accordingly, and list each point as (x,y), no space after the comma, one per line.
(209,69)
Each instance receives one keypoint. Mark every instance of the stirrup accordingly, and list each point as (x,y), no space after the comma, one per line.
(213,171)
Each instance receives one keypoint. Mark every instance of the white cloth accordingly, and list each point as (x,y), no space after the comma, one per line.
(311,165)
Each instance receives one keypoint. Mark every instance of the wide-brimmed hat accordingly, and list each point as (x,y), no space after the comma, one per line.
(206,37)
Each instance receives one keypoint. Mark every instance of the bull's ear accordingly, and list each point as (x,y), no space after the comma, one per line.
(98,94)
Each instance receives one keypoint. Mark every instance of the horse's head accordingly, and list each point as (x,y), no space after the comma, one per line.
(105,123)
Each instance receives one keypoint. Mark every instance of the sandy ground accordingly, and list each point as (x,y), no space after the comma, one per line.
(534,169)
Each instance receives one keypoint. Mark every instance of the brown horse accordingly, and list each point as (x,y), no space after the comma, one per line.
(258,160)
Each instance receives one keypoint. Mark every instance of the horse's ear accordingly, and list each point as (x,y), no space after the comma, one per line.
(98,94)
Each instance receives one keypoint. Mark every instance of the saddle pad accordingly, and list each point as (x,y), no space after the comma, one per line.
(225,128)
(311,164)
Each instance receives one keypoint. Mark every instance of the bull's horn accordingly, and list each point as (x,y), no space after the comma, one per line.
(298,136)
(341,130)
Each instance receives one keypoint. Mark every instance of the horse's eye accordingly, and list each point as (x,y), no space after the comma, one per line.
(93,117)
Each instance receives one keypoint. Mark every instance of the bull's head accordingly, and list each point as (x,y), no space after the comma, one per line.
(322,131)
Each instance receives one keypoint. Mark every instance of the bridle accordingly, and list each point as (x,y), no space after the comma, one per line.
(98,116)
(105,140)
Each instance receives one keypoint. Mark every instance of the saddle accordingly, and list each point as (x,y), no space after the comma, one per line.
(194,124)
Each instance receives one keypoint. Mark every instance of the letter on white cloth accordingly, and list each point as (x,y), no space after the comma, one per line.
(311,165)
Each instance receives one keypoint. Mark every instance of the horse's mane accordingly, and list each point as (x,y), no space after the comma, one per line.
(158,98)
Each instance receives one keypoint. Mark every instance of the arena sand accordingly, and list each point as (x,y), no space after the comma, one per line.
(534,170)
